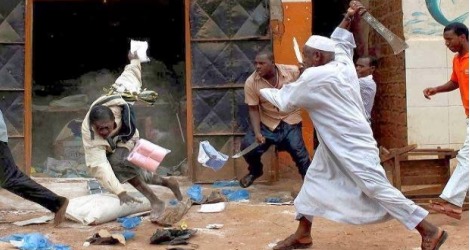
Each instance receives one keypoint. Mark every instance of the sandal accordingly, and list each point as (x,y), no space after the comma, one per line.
(427,241)
(444,208)
(292,242)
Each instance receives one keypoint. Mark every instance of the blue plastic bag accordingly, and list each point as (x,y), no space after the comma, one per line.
(219,184)
(236,195)
(273,200)
(195,193)
(35,241)
(129,222)
(128,235)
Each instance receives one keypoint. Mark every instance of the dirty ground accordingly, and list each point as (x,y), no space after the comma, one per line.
(253,225)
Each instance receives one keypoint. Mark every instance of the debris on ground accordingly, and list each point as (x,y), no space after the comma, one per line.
(215,226)
(212,208)
(236,194)
(172,236)
(104,237)
(129,222)
(39,220)
(221,184)
(32,241)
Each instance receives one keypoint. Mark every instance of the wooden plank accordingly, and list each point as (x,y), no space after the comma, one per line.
(423,180)
(189,91)
(28,86)
(424,167)
(397,174)
(427,192)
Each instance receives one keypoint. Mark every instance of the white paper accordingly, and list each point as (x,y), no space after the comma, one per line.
(141,48)
(212,208)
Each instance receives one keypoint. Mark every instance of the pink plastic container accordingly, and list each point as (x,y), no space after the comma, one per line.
(147,155)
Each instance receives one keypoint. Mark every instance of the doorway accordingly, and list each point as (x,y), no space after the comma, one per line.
(80,48)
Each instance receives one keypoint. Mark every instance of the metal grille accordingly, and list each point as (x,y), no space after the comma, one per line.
(12,31)
(225,38)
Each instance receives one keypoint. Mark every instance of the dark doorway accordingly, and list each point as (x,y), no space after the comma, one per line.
(81,47)
(327,15)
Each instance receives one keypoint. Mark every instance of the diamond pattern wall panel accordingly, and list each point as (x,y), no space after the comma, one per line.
(225,63)
(11,66)
(12,27)
(16,146)
(242,119)
(214,111)
(12,106)
(229,19)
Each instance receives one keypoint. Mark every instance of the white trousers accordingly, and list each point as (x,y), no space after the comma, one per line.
(457,186)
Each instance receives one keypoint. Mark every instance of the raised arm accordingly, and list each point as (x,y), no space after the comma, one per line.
(342,35)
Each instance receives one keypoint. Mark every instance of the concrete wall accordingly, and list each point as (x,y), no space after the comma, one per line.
(441,120)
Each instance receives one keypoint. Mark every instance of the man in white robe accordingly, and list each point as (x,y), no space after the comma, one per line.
(345,182)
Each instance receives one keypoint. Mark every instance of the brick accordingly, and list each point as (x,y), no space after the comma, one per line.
(390,125)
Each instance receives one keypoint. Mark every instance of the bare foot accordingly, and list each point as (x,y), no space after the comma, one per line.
(60,214)
(294,242)
(433,242)
(157,210)
(174,186)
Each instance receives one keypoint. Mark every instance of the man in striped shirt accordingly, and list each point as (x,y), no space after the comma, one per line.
(365,67)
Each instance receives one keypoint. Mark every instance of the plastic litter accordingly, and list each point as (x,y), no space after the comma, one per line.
(33,241)
(236,195)
(129,222)
(209,157)
(220,184)
(195,193)
(273,200)
(128,234)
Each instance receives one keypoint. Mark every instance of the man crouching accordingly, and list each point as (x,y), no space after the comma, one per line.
(109,134)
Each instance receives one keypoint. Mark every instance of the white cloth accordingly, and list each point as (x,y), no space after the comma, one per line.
(457,186)
(321,43)
(130,79)
(3,129)
(345,181)
(368,90)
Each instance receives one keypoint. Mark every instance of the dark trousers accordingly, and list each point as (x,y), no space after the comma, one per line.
(13,180)
(286,138)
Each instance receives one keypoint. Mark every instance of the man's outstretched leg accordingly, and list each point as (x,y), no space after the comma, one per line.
(302,237)
(170,183)
(157,205)
(16,182)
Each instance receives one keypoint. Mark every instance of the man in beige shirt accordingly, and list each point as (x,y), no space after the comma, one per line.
(109,134)
(271,126)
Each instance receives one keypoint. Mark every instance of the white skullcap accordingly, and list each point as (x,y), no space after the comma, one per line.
(321,43)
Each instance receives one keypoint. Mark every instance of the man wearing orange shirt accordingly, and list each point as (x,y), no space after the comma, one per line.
(453,195)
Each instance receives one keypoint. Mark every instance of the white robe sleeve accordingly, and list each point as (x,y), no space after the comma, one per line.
(345,43)
(289,97)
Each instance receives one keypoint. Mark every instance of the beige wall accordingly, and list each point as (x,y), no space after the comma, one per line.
(441,120)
